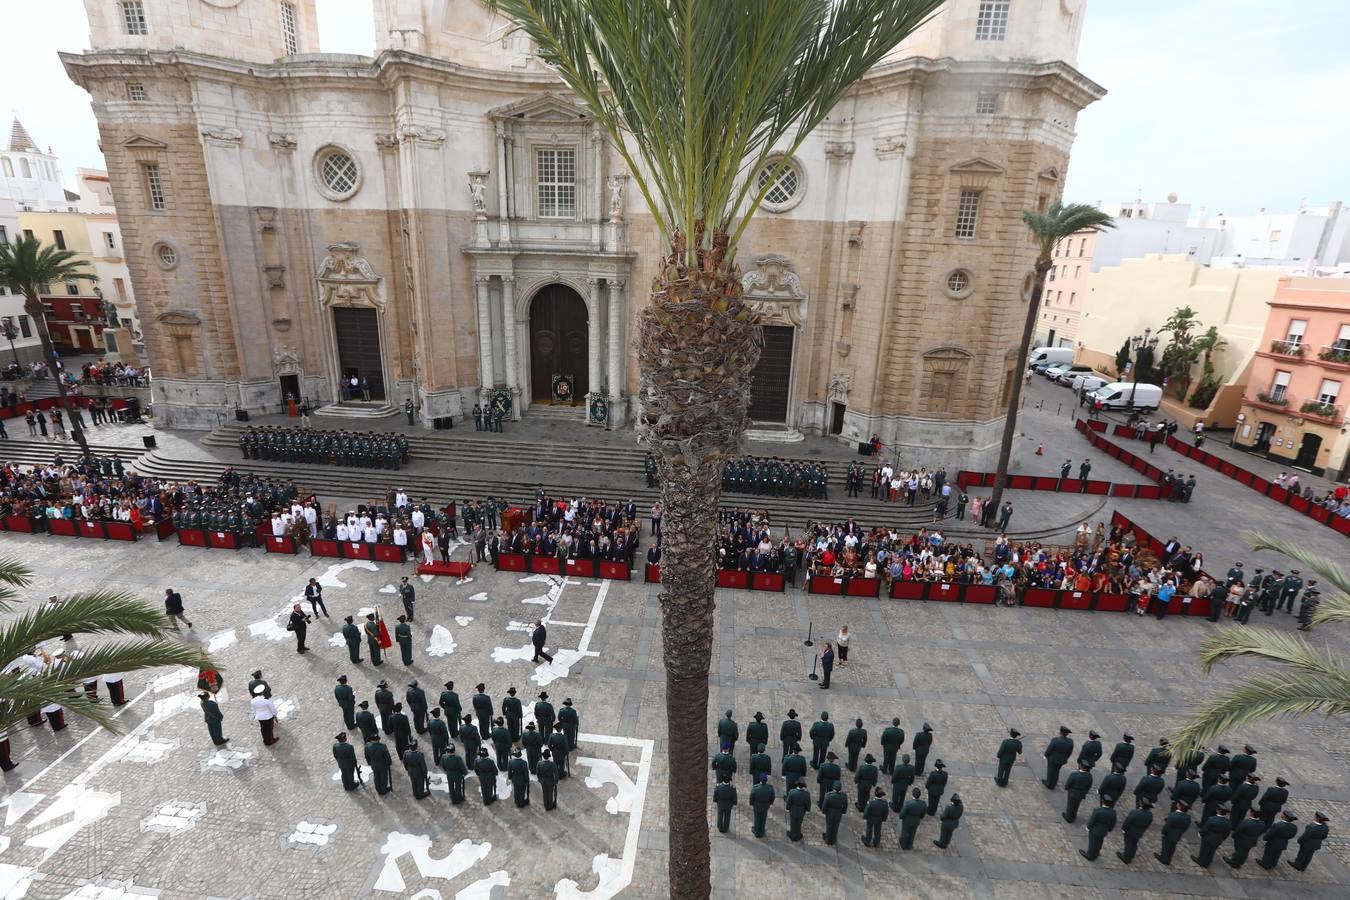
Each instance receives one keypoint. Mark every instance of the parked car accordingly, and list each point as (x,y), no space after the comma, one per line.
(1041,357)
(1066,375)
(1052,371)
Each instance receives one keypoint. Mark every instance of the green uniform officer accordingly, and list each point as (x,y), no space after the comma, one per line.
(547,772)
(854,742)
(1186,790)
(352,635)
(790,732)
(761,798)
(211,712)
(1273,800)
(756,733)
(401,729)
(440,733)
(950,819)
(866,780)
(417,705)
(456,770)
(1101,823)
(346,699)
(1132,829)
(501,742)
(513,712)
(1123,753)
(365,720)
(381,764)
(875,813)
(403,635)
(760,764)
(1174,826)
(469,737)
(936,786)
(724,764)
(834,807)
(486,770)
(794,766)
(1243,799)
(1150,787)
(1246,836)
(415,762)
(1007,754)
(902,776)
(911,814)
(1076,787)
(724,796)
(1277,839)
(892,739)
(728,732)
(1057,753)
(449,701)
(798,803)
(1213,831)
(822,732)
(544,715)
(827,776)
(1159,757)
(518,771)
(923,742)
(1218,794)
(372,630)
(345,754)
(557,743)
(1310,841)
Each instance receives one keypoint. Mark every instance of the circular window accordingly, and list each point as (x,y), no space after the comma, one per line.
(784,182)
(166,256)
(337,173)
(959,283)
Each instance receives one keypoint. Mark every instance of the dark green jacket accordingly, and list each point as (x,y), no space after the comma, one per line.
(893,738)
(1248,833)
(1009,750)
(1102,821)
(1059,749)
(822,733)
(1078,784)
(877,810)
(724,795)
(762,796)
(1176,824)
(1137,822)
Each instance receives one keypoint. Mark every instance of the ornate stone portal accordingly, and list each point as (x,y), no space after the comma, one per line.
(347,281)
(774,291)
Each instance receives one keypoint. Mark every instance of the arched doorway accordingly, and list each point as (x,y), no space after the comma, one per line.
(558,341)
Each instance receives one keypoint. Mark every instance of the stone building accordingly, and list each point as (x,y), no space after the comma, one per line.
(444,221)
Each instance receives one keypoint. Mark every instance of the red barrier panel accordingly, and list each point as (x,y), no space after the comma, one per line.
(1098,487)
(1153,473)
(825,584)
(980,593)
(164,528)
(62,527)
(1071,485)
(653,575)
(390,553)
(1278,494)
(1076,599)
(908,590)
(356,550)
(545,565)
(1112,603)
(1040,597)
(1321,514)
(88,529)
(1096,425)
(511,562)
(263,532)
(772,581)
(864,587)
(20,523)
(1149,492)
(1021,482)
(732,578)
(1080,425)
(1230,470)
(581,568)
(1198,607)
(1138,464)
(119,531)
(1042,483)
(283,544)
(192,537)
(222,540)
(1300,503)
(1124,431)
(1123,490)
(941,590)
(616,571)
(1255,482)
(1341,524)
(320,547)
(1213,461)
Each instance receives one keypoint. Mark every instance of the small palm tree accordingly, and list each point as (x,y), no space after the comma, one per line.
(24,265)
(697,96)
(1048,228)
(1309,679)
(94,613)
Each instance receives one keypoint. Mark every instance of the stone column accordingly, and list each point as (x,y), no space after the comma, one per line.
(509,337)
(598,186)
(617,345)
(503,189)
(480,283)
(593,336)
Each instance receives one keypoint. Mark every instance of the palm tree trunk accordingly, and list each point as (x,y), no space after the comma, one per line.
(698,345)
(1015,392)
(38,313)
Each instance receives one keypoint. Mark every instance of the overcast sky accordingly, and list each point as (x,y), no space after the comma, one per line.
(1233,104)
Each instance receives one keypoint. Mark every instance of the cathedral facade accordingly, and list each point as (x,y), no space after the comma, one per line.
(445,224)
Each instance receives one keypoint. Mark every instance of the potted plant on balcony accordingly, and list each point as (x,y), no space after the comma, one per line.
(1272,399)
(1334,354)
(1318,408)
(1286,348)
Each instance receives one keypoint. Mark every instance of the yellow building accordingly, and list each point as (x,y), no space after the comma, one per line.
(73,316)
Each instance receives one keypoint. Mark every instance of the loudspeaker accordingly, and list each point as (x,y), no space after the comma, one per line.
(149,441)
(241,415)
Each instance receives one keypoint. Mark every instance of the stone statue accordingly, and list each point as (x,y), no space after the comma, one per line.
(110,314)
(477,190)
(615,197)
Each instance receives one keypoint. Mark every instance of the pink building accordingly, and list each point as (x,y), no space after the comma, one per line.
(1294,407)
(1066,291)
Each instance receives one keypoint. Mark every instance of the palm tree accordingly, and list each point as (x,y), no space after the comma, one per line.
(24,265)
(696,96)
(1048,228)
(94,613)
(1309,680)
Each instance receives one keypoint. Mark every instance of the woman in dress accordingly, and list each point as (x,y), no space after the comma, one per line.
(841,645)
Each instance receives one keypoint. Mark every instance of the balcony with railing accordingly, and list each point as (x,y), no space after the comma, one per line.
(1330,413)
(1277,400)
(1287,348)
(1335,356)
(1282,402)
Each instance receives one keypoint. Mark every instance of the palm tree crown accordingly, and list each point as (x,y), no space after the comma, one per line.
(1060,221)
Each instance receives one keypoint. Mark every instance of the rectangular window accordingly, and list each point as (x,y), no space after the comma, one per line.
(154,186)
(1280,386)
(991,23)
(120,288)
(59,237)
(4,235)
(1296,329)
(44,288)
(77,312)
(1342,339)
(110,240)
(133,17)
(1073,295)
(1052,273)
(135,91)
(967,214)
(28,232)
(1082,246)
(986,104)
(556,177)
(1328,392)
(25,326)
(288,33)
(73,288)
(1077,271)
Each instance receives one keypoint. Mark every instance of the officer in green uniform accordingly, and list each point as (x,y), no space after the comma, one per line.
(1289,591)
(486,770)
(403,636)
(1246,835)
(1101,823)
(518,772)
(728,732)
(543,714)
(533,742)
(1243,799)
(834,807)
(1077,786)
(372,629)
(417,704)
(1273,800)
(1213,830)
(1271,586)
(757,732)
(936,786)
(794,765)
(950,819)
(547,772)
(875,813)
(902,776)
(1159,756)
(1113,785)
(365,720)
(1132,829)
(827,776)
(449,701)
(761,798)
(1150,786)
(1008,751)
(401,729)
(911,814)
(513,713)
(760,764)
(1277,838)
(1242,763)
(416,765)
(352,635)
(440,733)
(892,739)
(1215,765)
(471,738)
(1310,841)
(1122,755)
(822,732)
(456,770)
(854,743)
(723,763)
(562,758)
(798,802)
(211,712)
(724,796)
(381,764)
(790,732)
(1174,826)
(346,699)
(384,702)
(571,723)
(1186,790)
(923,742)
(866,780)
(1216,795)
(1057,753)
(345,754)
(1187,762)
(501,742)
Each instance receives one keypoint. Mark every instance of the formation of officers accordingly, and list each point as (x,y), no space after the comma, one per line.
(237,504)
(774,477)
(495,739)
(367,450)
(1225,784)
(832,799)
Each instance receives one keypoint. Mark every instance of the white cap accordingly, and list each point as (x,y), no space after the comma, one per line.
(258,688)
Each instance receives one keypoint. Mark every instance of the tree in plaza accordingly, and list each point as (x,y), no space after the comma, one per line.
(94,613)
(1207,344)
(1122,359)
(1047,229)
(24,265)
(1183,351)
(1310,679)
(698,97)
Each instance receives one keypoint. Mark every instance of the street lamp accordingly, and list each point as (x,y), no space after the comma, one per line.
(1146,341)
(10,333)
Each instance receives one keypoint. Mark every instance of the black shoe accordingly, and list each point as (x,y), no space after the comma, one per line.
(1195,859)
(1232,862)
(1065,817)
(1158,857)
(1298,867)
(1083,853)
(1264,866)
(1121,857)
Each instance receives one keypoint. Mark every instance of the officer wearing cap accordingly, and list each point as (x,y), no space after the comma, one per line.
(1273,800)
(1008,751)
(1057,753)
(1174,826)
(1122,755)
(1217,764)
(1310,841)
(1289,591)
(1277,838)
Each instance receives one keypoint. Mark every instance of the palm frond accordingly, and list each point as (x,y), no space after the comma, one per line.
(1060,221)
(1260,697)
(14,574)
(1323,566)
(1233,641)
(97,612)
(1331,608)
(25,263)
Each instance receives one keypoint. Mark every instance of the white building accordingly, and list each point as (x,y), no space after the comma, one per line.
(31,178)
(26,346)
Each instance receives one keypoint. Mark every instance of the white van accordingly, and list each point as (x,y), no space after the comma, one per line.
(1118,394)
(1040,357)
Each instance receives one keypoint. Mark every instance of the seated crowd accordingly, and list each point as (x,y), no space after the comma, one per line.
(103,372)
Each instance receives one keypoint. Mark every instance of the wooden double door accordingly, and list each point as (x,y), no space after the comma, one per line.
(559,342)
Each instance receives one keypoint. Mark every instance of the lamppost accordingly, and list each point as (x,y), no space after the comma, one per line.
(10,333)
(1146,341)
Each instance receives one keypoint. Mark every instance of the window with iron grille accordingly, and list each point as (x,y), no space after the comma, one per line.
(154,186)
(991,23)
(59,238)
(25,326)
(1328,392)
(986,104)
(135,91)
(73,288)
(967,213)
(133,17)
(1280,386)
(288,32)
(556,180)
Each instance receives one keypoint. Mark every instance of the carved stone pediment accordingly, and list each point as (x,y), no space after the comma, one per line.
(286,361)
(946,359)
(347,279)
(840,384)
(178,317)
(774,290)
(543,108)
(145,149)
